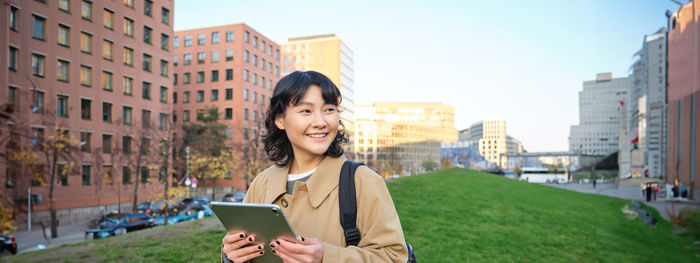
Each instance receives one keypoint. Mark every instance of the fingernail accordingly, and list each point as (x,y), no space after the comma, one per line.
(273,252)
(242,236)
(272,245)
(259,247)
(277,241)
(261,253)
(302,239)
(250,239)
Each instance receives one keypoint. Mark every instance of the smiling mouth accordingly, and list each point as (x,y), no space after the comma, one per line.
(317,135)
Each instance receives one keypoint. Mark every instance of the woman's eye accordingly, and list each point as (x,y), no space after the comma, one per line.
(330,109)
(305,111)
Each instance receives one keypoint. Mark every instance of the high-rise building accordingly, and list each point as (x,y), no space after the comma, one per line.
(398,137)
(99,72)
(493,141)
(600,111)
(683,90)
(329,55)
(232,68)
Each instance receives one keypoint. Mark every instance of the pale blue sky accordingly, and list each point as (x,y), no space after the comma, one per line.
(522,61)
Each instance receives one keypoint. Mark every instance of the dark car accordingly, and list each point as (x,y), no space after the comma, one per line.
(187,202)
(117,224)
(236,198)
(8,243)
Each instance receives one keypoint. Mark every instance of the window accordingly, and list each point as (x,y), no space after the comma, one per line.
(147,35)
(245,133)
(128,86)
(175,79)
(245,94)
(63,35)
(86,174)
(277,54)
(200,95)
(186,78)
(255,78)
(146,91)
(262,99)
(255,41)
(128,56)
(12,94)
(147,59)
(255,115)
(128,27)
(126,115)
(188,41)
(263,46)
(255,97)
(37,65)
(229,36)
(247,37)
(148,8)
(201,56)
(126,144)
(215,56)
(38,24)
(108,19)
(214,75)
(14,17)
(215,37)
(200,114)
(246,56)
(163,94)
(262,81)
(107,112)
(176,41)
(186,115)
(163,121)
(229,113)
(85,76)
(12,58)
(86,10)
(62,173)
(85,42)
(269,50)
(62,106)
(186,97)
(245,74)
(262,64)
(200,39)
(277,71)
(107,80)
(229,74)
(165,16)
(85,109)
(37,136)
(126,175)
(200,76)
(145,118)
(85,141)
(129,3)
(255,60)
(214,95)
(229,94)
(62,70)
(164,42)
(175,97)
(107,49)
(38,101)
(163,68)
(188,58)
(145,146)
(175,60)
(229,55)
(107,175)
(269,67)
(64,5)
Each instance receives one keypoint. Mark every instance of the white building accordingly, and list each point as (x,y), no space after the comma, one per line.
(600,106)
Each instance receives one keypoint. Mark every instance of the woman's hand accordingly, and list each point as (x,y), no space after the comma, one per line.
(305,249)
(239,247)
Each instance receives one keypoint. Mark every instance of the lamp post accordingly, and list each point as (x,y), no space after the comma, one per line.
(187,169)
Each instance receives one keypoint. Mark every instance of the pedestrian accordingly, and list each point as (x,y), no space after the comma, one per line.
(304,139)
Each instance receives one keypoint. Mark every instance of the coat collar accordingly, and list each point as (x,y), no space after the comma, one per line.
(319,185)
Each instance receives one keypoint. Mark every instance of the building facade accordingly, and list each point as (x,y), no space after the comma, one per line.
(329,55)
(397,137)
(493,141)
(98,72)
(683,90)
(232,68)
(600,111)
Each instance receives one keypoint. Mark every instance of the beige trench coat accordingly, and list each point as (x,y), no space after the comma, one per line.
(312,210)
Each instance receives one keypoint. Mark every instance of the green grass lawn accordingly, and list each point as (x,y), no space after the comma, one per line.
(454,215)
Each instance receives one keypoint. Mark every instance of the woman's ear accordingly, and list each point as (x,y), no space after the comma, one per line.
(279,121)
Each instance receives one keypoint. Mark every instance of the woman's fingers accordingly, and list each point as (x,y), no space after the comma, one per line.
(248,253)
(239,245)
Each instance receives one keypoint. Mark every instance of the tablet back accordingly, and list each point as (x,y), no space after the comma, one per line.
(266,221)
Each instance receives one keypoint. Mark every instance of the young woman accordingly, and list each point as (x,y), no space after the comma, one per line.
(304,140)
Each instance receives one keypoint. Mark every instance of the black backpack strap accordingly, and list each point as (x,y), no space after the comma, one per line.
(347,202)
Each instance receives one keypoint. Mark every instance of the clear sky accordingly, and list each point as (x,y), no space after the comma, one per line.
(522,61)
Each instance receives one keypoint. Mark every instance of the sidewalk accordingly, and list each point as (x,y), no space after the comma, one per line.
(631,193)
(30,241)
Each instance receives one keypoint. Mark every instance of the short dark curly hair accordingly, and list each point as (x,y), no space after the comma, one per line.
(289,91)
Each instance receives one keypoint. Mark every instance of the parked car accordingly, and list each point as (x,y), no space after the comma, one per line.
(187,202)
(236,198)
(197,211)
(117,224)
(8,243)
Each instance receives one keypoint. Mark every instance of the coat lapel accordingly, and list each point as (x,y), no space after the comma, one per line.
(324,180)
(277,183)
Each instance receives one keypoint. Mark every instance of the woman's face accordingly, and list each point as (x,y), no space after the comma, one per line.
(311,125)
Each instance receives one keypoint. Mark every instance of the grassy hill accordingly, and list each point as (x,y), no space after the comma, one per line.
(453,215)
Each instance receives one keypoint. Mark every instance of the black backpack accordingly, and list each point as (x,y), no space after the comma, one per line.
(348,207)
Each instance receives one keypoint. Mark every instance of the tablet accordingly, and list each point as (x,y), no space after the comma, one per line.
(266,221)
